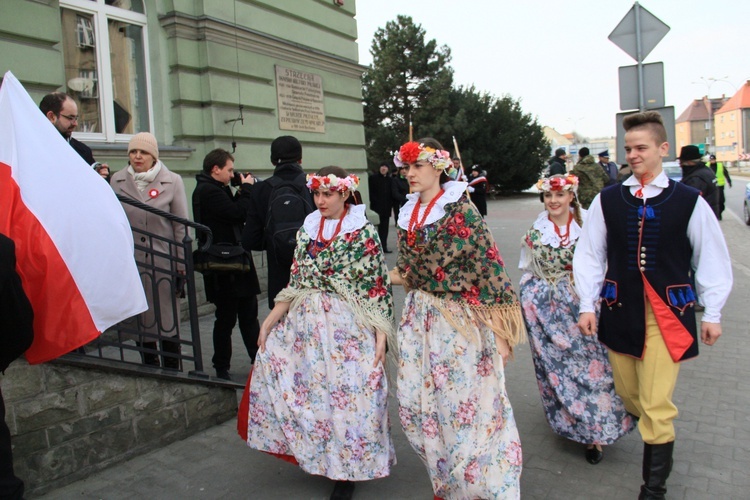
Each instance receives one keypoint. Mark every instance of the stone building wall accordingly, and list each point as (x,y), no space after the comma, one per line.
(68,421)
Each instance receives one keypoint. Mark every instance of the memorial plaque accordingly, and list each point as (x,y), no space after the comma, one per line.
(300,100)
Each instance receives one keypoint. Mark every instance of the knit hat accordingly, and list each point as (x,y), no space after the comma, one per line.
(689,152)
(712,157)
(604,154)
(285,149)
(145,142)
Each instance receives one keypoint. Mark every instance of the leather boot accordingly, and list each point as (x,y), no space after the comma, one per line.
(657,464)
(149,358)
(171,347)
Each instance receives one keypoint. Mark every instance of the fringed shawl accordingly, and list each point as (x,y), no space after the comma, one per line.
(457,262)
(351,267)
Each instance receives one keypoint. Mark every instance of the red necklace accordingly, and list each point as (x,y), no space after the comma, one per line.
(411,233)
(564,240)
(321,242)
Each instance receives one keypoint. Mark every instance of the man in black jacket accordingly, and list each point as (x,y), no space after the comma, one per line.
(16,334)
(62,112)
(286,155)
(233,294)
(696,174)
(557,163)
(381,200)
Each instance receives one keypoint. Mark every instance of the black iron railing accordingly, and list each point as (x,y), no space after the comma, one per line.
(158,337)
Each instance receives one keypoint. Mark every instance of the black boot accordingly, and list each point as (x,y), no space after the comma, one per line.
(171,347)
(344,490)
(657,464)
(149,358)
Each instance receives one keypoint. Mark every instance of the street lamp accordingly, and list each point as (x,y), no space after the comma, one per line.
(708,82)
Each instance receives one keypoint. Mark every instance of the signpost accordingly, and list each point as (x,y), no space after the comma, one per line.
(637,34)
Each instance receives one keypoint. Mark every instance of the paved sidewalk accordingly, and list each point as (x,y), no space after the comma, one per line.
(712,451)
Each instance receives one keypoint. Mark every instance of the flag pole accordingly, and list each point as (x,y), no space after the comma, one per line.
(461,164)
(411,131)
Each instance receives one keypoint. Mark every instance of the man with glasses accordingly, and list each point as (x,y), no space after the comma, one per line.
(62,111)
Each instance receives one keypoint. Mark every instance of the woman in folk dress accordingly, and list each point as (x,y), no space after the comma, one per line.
(459,323)
(318,390)
(572,370)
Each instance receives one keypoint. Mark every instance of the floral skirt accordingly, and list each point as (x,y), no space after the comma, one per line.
(572,369)
(315,395)
(453,405)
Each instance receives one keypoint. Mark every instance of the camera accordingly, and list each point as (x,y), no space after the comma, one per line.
(237,180)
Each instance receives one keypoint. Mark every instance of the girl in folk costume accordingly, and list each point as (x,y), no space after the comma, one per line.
(460,321)
(318,391)
(572,370)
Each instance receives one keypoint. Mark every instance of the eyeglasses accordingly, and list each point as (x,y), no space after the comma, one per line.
(72,118)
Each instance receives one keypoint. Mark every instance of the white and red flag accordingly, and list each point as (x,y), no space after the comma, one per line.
(73,242)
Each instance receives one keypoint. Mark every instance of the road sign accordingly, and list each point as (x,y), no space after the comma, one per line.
(638,23)
(653,86)
(667,115)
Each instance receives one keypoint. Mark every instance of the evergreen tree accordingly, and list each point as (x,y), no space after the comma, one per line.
(409,79)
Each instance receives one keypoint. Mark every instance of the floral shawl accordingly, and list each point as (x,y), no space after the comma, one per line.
(352,267)
(456,259)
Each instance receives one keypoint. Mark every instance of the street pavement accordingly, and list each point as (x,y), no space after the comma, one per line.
(712,450)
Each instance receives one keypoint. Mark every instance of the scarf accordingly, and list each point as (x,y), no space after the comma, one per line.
(143,179)
(456,260)
(353,268)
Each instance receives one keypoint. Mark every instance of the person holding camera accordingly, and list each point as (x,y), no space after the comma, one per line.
(233,293)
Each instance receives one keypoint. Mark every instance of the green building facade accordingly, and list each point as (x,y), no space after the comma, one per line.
(181,69)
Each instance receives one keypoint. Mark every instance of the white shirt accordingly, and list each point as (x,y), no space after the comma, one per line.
(713,269)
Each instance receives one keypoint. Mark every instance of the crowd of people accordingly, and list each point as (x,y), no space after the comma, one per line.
(612,273)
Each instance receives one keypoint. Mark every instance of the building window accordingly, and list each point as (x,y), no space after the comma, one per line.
(106,70)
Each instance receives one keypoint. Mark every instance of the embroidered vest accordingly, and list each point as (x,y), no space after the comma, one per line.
(648,258)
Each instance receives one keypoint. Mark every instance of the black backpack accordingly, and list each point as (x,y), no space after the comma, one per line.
(288,206)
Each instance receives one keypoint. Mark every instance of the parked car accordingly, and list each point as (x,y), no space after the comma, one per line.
(673,170)
(746,204)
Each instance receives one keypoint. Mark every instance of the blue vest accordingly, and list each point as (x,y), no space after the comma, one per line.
(647,246)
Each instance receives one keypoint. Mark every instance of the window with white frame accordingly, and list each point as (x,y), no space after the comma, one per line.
(106,70)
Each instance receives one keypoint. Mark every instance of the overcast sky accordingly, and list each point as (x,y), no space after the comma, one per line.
(556,58)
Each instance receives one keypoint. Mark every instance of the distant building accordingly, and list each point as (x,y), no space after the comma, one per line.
(696,124)
(732,125)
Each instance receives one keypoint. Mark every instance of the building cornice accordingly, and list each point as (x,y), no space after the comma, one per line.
(180,25)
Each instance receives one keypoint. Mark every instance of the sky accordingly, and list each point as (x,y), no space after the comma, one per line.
(555,56)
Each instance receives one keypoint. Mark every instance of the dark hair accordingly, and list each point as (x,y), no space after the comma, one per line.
(433,143)
(341,174)
(584,151)
(648,120)
(53,102)
(218,157)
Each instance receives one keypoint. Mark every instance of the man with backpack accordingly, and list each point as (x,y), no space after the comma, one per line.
(278,209)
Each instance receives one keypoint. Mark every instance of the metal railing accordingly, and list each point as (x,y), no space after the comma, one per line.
(157,337)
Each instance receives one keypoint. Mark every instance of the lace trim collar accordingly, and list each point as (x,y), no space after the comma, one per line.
(549,236)
(353,220)
(453,192)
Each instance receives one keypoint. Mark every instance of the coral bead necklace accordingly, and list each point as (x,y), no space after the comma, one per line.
(322,242)
(414,226)
(564,239)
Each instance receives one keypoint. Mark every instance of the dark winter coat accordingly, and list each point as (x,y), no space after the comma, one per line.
(381,195)
(557,166)
(215,206)
(16,316)
(254,233)
(703,179)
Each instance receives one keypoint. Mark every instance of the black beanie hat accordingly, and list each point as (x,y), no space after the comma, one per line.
(285,149)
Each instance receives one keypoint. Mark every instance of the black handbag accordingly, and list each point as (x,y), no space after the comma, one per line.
(222,258)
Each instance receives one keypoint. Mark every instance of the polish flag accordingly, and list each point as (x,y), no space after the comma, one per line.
(73,242)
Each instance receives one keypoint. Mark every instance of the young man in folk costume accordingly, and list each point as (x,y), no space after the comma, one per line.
(641,241)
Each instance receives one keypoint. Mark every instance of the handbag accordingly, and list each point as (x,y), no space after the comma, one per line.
(222,258)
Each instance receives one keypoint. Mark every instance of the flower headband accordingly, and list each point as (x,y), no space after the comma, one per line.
(331,182)
(558,183)
(412,152)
